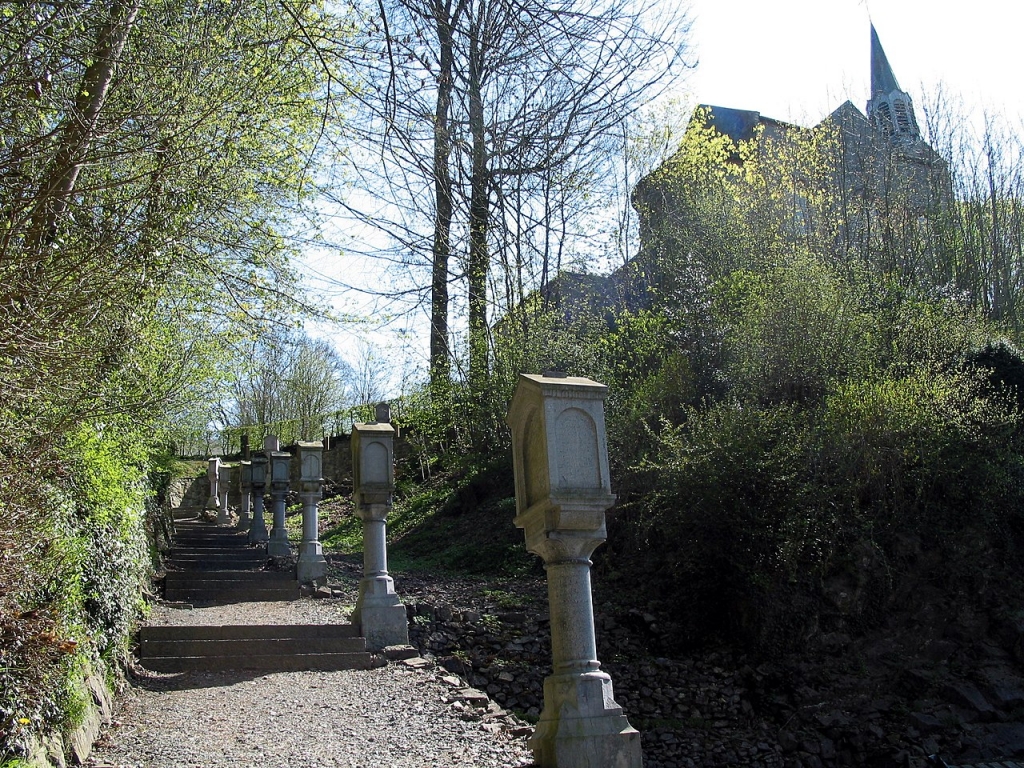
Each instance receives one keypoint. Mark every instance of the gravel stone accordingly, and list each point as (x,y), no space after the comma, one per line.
(391,717)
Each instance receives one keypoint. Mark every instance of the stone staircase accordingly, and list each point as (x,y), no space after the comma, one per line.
(215,565)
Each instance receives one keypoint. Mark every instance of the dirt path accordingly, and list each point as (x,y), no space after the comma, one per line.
(392,717)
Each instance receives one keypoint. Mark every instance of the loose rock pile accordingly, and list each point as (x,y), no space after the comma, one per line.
(841,706)
(952,688)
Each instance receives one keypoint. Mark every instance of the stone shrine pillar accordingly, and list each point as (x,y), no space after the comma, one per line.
(312,565)
(560,456)
(224,484)
(245,487)
(213,475)
(280,477)
(379,613)
(258,527)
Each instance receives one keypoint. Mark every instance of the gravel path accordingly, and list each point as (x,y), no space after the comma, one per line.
(392,717)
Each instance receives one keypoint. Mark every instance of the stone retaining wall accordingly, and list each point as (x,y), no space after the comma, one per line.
(58,750)
(187,496)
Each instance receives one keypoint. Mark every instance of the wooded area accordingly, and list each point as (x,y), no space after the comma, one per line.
(799,378)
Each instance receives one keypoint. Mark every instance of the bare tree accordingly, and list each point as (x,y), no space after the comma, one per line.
(496,118)
(291,386)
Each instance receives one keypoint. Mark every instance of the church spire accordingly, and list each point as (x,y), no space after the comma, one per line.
(890,109)
(882,78)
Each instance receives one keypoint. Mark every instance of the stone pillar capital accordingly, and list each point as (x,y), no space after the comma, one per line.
(560,547)
(567,528)
(373,512)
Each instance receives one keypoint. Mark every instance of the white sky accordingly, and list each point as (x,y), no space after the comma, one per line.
(800,59)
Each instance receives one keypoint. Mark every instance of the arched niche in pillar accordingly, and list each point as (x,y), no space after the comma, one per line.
(373,464)
(559,448)
(578,466)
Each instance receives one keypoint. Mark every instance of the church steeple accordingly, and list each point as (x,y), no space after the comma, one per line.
(890,109)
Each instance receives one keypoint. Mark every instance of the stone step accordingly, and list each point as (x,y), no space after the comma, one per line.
(239,541)
(208,553)
(261,578)
(215,555)
(247,631)
(231,593)
(293,646)
(199,552)
(320,662)
(214,566)
(212,534)
(270,647)
(190,550)
(249,565)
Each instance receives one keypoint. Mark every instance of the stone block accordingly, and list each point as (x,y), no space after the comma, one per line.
(311,565)
(559,448)
(585,743)
(382,623)
(373,467)
(400,652)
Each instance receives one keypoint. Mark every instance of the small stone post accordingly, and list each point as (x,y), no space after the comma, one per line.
(258,527)
(245,487)
(379,613)
(280,462)
(224,484)
(213,474)
(560,457)
(312,565)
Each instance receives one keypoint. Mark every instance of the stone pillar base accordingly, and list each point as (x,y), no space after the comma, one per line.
(582,726)
(258,534)
(311,566)
(222,516)
(211,512)
(382,618)
(278,546)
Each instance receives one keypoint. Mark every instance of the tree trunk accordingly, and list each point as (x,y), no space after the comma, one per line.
(440,362)
(79,130)
(479,211)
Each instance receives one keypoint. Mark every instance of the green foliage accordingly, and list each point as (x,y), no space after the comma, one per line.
(805,408)
(148,213)
(80,593)
(1003,365)
(503,599)
(758,500)
(790,330)
(928,453)
(459,523)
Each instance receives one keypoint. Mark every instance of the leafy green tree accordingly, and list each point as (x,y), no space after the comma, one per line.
(289,386)
(153,163)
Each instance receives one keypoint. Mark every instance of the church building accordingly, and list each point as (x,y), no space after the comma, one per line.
(879,175)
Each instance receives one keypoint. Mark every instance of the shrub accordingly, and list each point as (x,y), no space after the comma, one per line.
(749,511)
(75,517)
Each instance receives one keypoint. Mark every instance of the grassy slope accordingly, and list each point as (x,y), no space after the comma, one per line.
(455,524)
